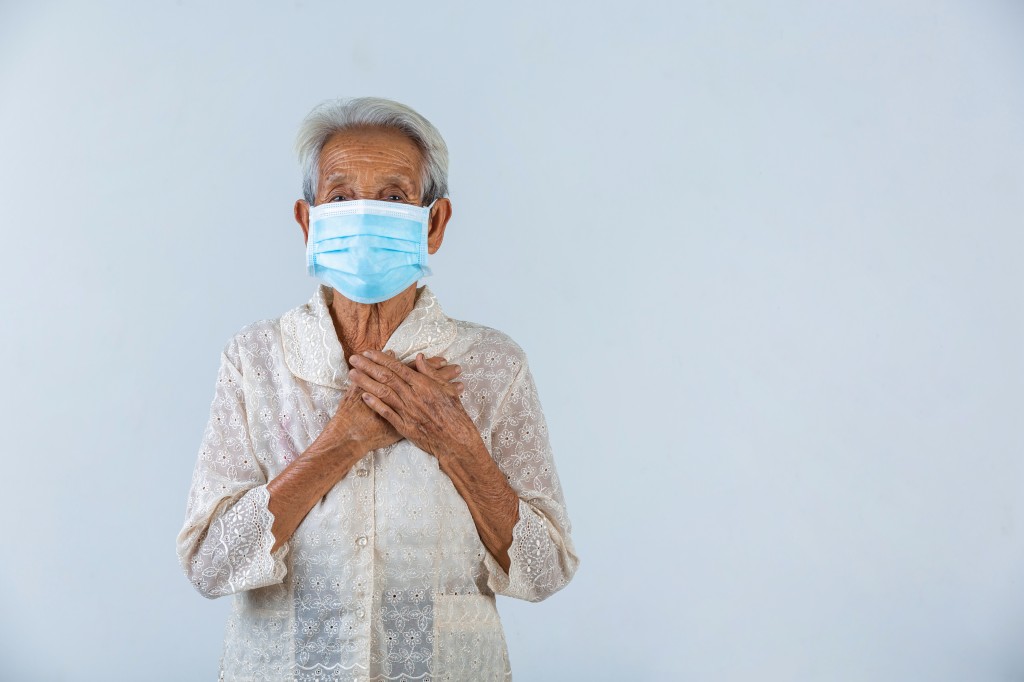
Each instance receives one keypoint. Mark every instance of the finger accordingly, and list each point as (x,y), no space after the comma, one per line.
(421,365)
(446,374)
(385,411)
(436,362)
(383,373)
(444,377)
(454,388)
(379,389)
(442,374)
(408,374)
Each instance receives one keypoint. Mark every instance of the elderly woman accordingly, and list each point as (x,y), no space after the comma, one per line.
(373,471)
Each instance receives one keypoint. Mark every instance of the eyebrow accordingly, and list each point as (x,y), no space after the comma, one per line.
(390,179)
(399,180)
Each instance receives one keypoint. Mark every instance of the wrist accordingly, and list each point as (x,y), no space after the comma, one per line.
(471,462)
(336,446)
(451,461)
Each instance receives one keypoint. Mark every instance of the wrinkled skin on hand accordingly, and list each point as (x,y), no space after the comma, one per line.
(422,406)
(355,420)
(418,401)
(353,431)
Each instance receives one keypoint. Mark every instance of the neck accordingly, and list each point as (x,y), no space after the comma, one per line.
(368,326)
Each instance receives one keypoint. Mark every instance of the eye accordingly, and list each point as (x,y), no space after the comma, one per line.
(395,197)
(338,197)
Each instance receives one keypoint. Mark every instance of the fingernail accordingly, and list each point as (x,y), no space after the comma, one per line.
(366,397)
(366,353)
(442,363)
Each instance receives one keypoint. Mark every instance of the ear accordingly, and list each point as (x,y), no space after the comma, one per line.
(302,218)
(440,214)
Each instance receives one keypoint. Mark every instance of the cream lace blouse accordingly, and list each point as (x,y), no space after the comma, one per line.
(386,578)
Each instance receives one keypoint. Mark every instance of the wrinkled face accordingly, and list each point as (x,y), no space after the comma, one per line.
(370,163)
(374,163)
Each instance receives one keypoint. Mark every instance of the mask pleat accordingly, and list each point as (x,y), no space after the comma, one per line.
(367,241)
(366,249)
(346,261)
(363,225)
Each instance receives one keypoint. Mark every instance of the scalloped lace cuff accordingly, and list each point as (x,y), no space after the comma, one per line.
(237,553)
(533,568)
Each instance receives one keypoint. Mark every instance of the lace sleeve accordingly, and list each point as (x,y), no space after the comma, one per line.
(225,544)
(543,559)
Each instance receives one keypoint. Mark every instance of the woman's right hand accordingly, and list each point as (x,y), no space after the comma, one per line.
(356,422)
(352,431)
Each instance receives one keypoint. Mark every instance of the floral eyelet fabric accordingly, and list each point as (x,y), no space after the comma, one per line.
(386,578)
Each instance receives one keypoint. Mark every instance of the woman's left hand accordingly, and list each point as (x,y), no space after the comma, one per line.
(422,407)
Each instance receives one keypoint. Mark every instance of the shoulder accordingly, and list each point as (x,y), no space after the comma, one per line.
(489,347)
(254,340)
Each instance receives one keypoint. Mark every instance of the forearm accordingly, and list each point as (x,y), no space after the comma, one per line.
(306,480)
(492,502)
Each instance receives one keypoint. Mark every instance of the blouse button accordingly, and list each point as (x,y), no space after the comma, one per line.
(361,473)
(360,613)
(361,540)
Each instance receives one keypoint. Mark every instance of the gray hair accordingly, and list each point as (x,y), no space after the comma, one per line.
(334,116)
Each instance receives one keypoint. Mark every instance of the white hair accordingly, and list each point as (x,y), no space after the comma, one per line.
(334,116)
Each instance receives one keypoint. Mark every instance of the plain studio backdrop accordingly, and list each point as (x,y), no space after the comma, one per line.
(764,258)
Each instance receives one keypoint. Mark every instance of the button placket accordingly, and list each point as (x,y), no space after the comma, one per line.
(364,480)
(362,470)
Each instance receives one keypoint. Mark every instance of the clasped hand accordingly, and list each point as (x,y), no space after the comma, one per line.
(421,404)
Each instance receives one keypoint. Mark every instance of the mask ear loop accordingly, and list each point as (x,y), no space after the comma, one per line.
(424,245)
(430,211)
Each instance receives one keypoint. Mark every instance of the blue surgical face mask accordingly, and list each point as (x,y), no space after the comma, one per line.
(368,250)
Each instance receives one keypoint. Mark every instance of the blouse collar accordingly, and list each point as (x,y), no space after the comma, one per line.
(313,352)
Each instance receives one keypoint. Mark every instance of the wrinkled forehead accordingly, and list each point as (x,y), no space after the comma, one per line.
(383,153)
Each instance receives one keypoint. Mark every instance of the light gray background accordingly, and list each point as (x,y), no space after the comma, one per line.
(764,258)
